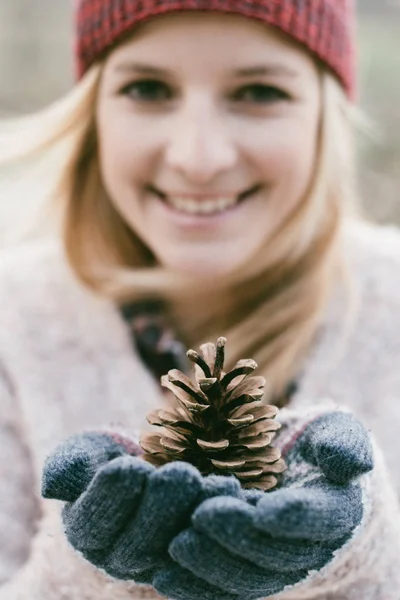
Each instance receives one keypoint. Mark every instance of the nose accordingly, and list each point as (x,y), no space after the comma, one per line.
(200,146)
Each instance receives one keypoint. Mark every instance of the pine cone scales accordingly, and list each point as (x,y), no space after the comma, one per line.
(219,424)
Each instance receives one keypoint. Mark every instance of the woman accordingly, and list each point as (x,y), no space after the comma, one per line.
(204,188)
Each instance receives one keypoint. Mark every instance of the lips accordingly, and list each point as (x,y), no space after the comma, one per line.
(204,198)
(204,206)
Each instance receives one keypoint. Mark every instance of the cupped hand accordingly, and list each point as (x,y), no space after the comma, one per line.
(121,513)
(255,545)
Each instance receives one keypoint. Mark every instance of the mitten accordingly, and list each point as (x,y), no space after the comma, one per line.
(121,513)
(259,544)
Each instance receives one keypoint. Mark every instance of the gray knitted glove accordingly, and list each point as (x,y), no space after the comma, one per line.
(121,512)
(257,545)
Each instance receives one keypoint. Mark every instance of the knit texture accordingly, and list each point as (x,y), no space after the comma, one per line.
(67,364)
(129,518)
(325,27)
(122,513)
(257,550)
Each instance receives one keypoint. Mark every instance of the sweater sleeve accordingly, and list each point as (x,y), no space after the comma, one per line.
(368,566)
(19,510)
(54,571)
(36,560)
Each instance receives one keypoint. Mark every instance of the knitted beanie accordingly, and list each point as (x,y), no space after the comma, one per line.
(325,27)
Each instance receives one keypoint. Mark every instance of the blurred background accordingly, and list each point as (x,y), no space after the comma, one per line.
(36,68)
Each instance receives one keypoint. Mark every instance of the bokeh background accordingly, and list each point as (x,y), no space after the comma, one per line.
(36,68)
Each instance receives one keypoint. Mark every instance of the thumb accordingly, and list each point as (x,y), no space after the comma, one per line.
(69,469)
(340,445)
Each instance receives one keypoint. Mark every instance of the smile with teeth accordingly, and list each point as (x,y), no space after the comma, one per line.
(202,207)
(194,206)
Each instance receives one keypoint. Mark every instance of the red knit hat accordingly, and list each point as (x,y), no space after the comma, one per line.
(325,27)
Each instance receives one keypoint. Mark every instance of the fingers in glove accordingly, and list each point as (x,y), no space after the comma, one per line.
(141,577)
(220,485)
(113,497)
(319,511)
(170,496)
(230,523)
(70,468)
(145,576)
(177,583)
(252,496)
(340,445)
(208,560)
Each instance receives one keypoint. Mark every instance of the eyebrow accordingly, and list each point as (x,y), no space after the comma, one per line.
(257,70)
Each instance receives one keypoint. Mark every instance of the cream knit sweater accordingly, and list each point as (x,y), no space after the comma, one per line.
(67,364)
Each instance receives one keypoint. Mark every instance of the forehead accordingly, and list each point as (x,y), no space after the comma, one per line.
(210,40)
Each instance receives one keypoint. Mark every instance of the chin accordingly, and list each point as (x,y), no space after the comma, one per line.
(200,269)
(205,262)
(204,273)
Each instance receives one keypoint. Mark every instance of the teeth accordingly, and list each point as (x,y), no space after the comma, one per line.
(202,207)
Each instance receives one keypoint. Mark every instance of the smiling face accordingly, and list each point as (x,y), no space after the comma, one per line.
(207,128)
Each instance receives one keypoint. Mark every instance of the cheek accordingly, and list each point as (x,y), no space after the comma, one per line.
(287,159)
(125,152)
(288,149)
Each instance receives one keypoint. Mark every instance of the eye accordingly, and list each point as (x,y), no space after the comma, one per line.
(261,94)
(147,90)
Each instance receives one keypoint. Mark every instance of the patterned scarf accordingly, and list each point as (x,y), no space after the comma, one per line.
(154,338)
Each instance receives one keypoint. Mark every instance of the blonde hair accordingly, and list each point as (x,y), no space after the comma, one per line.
(271,308)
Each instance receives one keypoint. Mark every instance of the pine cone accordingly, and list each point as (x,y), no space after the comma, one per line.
(220,424)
